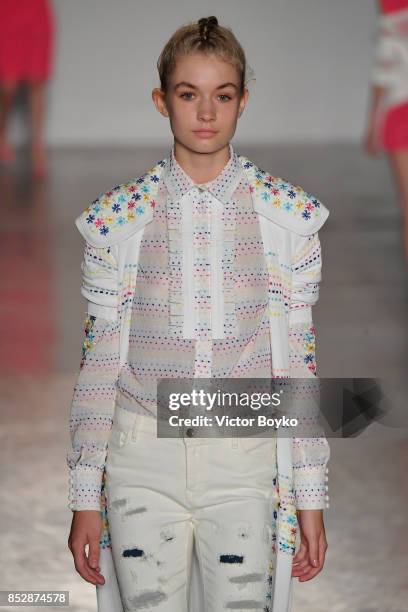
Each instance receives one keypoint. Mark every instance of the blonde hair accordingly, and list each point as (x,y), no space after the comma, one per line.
(203,36)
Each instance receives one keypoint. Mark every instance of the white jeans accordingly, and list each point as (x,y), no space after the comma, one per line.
(164,493)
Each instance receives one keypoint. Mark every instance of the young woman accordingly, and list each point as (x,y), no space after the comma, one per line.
(204,267)
(387,127)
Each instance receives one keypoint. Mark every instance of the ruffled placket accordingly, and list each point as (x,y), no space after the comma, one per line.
(229,222)
(175,255)
(202,284)
(201,222)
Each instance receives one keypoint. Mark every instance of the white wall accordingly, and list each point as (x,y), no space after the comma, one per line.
(311,58)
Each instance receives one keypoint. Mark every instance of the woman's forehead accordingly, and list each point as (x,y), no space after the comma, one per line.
(197,69)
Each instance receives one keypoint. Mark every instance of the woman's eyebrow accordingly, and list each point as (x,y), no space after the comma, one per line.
(185,84)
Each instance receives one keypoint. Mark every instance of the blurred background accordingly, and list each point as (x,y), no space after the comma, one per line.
(76,117)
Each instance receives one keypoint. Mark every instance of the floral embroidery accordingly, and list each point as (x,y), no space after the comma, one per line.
(89,338)
(123,203)
(280,193)
(287,517)
(104,541)
(309,343)
(269,581)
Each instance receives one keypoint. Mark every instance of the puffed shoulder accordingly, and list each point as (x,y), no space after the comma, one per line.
(284,203)
(121,211)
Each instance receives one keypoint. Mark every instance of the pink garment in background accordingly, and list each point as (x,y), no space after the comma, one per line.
(394,128)
(389,6)
(26,40)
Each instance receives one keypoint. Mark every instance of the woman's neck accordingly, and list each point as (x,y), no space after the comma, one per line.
(201,167)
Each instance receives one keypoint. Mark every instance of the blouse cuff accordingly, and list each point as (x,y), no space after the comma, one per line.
(311,487)
(85,480)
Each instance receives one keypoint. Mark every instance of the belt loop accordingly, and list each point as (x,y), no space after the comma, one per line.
(135,427)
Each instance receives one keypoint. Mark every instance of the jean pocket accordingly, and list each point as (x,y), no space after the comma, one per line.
(260,447)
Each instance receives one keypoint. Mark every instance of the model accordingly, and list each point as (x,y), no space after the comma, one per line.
(206,266)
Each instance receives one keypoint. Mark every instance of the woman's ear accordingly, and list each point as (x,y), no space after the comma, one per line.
(159,100)
(243,101)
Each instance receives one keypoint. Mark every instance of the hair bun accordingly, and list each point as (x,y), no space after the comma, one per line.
(206,24)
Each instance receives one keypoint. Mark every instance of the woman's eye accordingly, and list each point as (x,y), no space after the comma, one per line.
(224,97)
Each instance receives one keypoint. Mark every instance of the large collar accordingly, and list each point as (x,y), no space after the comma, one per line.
(126,208)
(179,183)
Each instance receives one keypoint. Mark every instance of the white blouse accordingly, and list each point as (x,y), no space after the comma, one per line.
(390,68)
(114,227)
(109,280)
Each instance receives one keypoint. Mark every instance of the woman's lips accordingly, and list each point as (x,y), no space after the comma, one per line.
(205,133)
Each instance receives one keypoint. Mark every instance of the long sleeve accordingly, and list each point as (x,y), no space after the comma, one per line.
(93,400)
(309,454)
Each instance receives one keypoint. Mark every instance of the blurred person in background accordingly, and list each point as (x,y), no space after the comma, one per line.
(26,45)
(387,127)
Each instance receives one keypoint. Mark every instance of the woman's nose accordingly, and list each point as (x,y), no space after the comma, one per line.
(206,111)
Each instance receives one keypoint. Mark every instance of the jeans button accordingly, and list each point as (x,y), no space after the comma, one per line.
(190,432)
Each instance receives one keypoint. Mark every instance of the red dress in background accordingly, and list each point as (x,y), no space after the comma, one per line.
(26,40)
(394,130)
(388,6)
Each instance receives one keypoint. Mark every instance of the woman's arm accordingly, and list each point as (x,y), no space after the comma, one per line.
(310,455)
(93,400)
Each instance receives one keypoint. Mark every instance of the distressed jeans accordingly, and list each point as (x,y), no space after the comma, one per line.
(164,494)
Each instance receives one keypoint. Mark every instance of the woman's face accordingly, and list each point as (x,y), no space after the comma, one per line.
(203,94)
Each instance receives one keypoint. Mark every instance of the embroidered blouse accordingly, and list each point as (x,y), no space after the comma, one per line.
(202,255)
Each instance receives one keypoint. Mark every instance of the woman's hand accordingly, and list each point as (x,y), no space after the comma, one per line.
(309,559)
(86,529)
